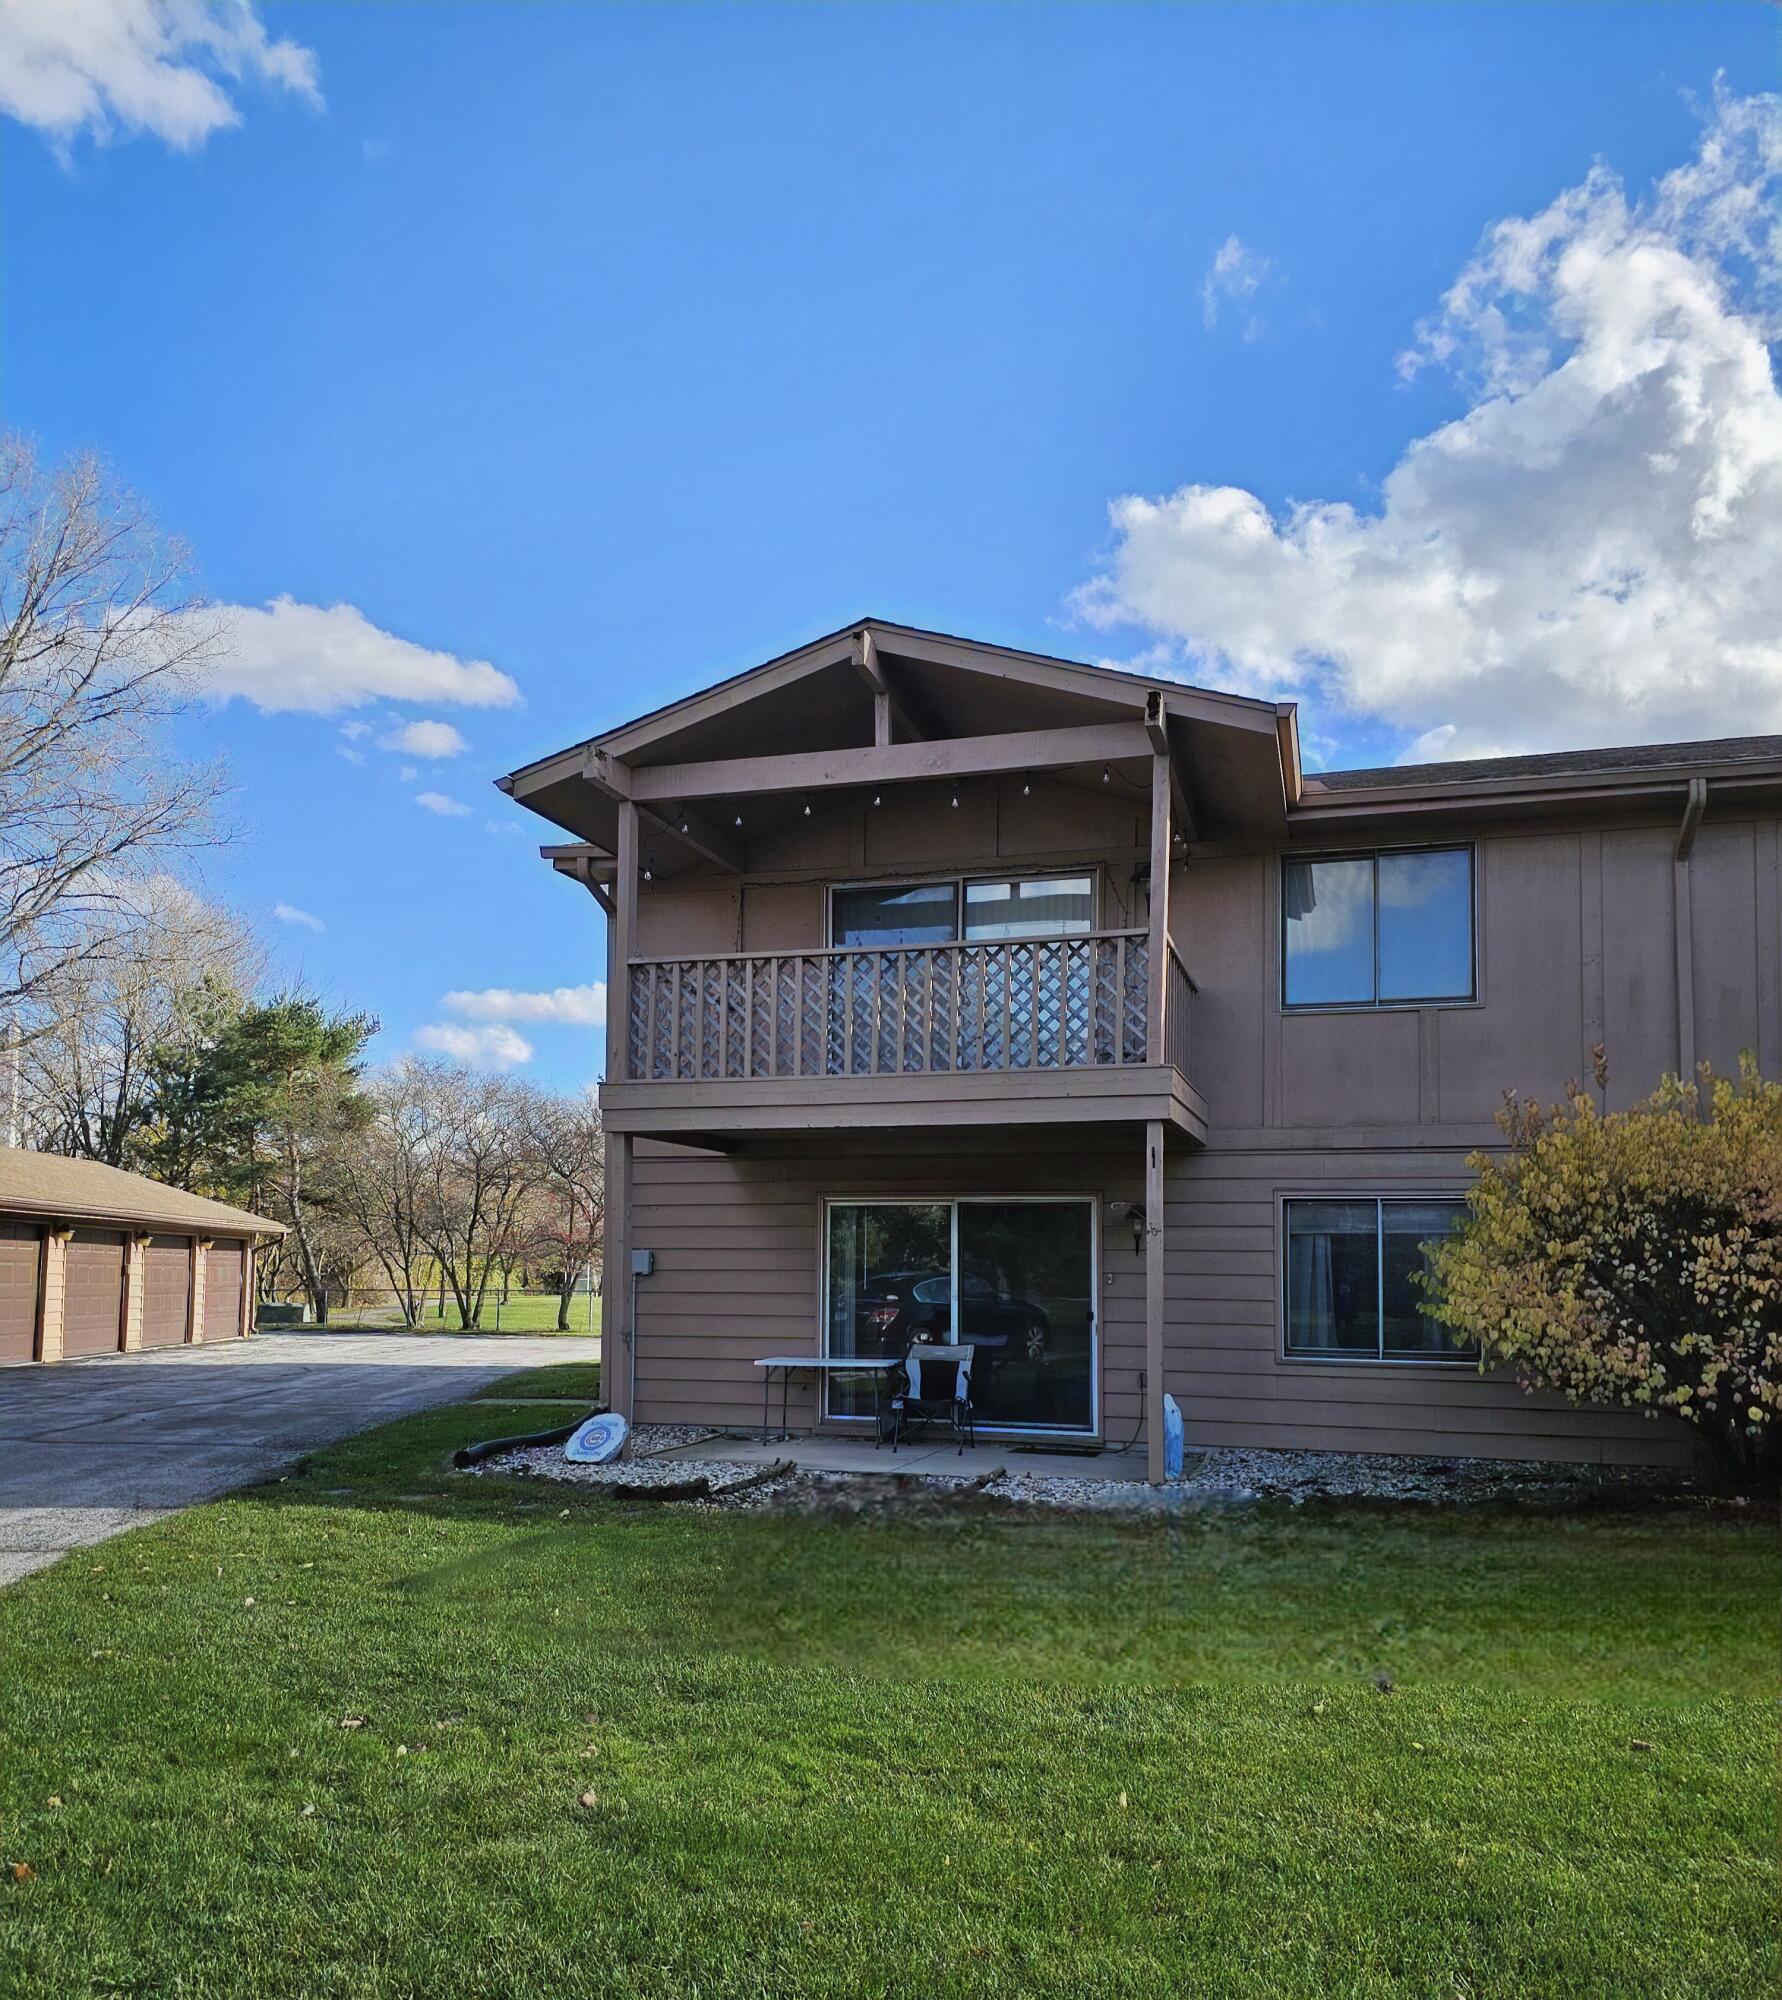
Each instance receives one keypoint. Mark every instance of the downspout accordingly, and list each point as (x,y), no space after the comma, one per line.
(1683,926)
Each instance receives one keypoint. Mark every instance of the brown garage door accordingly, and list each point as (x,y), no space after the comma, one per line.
(166,1290)
(21,1260)
(92,1304)
(222,1291)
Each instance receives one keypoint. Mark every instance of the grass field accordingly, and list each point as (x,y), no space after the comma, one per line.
(529,1312)
(384,1730)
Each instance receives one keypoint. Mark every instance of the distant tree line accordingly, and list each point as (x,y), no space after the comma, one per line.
(165,1061)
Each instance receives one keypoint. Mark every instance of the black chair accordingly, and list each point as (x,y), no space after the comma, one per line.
(937,1388)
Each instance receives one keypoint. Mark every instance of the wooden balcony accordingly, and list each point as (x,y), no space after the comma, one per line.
(978,1032)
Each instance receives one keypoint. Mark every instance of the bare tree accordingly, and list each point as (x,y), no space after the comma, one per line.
(101,639)
(378,1182)
(567,1216)
(87,1076)
(476,1171)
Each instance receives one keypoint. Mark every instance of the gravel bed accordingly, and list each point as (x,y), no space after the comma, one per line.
(1334,1475)
(1214,1479)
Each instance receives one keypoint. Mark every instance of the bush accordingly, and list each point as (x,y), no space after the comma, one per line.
(1635,1257)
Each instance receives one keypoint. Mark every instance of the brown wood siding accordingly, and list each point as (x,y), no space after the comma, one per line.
(222,1291)
(21,1269)
(93,1303)
(1578,942)
(166,1290)
(738,1241)
(1223,1336)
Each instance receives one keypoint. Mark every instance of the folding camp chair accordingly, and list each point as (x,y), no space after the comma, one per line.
(937,1388)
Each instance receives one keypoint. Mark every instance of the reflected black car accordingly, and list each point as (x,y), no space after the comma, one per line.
(904,1306)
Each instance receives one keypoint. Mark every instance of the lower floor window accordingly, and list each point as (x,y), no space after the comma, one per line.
(1352,1271)
(1013,1278)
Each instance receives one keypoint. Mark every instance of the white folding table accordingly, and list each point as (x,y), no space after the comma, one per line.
(822,1365)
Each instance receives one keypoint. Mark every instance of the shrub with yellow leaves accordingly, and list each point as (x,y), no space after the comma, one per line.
(1635,1258)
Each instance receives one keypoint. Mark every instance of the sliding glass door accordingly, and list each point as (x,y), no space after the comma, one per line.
(1013,1278)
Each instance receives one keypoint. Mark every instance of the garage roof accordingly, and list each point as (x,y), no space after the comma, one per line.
(49,1186)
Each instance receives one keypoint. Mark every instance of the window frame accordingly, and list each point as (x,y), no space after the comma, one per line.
(961,879)
(1288,1356)
(1376,1005)
(953,1203)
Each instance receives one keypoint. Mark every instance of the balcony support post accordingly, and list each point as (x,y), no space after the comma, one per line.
(1157,969)
(1154,1276)
(617,1335)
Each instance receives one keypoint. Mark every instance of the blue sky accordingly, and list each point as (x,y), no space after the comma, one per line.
(620,348)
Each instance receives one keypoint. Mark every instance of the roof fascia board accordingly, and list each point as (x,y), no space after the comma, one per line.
(891,763)
(1375,801)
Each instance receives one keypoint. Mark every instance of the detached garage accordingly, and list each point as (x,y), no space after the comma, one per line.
(97,1261)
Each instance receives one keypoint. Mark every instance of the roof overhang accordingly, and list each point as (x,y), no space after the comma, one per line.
(804,723)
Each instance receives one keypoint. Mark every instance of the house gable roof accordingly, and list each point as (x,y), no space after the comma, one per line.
(818,698)
(53,1188)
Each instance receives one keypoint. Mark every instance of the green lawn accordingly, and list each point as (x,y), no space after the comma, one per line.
(576,1380)
(520,1313)
(611,1750)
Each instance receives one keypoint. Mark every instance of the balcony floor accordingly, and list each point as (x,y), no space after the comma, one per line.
(1100,1095)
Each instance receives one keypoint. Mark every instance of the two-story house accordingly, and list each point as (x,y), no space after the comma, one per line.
(955,992)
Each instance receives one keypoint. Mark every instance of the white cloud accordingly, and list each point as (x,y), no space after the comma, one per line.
(317,659)
(347,751)
(1235,275)
(407,773)
(288,913)
(355,731)
(1591,553)
(437,802)
(494,1047)
(575,1006)
(167,68)
(426,739)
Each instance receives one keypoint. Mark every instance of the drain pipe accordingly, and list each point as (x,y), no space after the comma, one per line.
(1693,809)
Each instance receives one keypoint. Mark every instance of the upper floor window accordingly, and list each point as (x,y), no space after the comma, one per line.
(917,913)
(1369,930)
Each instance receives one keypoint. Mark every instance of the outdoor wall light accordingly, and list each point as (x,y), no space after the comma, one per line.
(1107,776)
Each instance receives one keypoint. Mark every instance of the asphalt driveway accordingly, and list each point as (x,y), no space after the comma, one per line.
(89,1449)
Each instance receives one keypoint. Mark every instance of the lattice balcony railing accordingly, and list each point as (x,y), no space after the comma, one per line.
(1051,1003)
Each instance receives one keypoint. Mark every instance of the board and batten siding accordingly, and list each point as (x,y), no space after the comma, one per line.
(1224,1261)
(738,1247)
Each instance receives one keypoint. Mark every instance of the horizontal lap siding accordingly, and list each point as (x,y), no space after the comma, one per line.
(1222,1334)
(738,1242)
